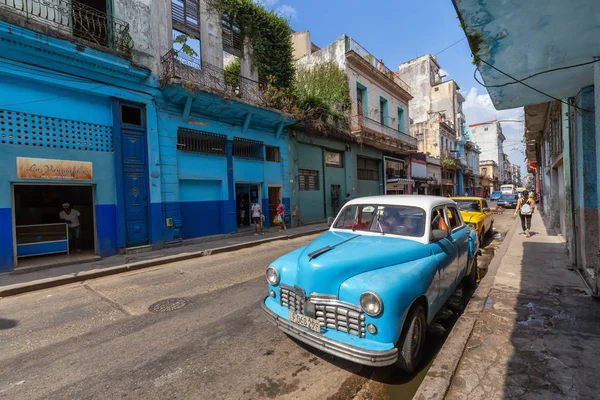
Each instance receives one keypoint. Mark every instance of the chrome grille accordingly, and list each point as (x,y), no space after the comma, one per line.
(341,317)
(290,299)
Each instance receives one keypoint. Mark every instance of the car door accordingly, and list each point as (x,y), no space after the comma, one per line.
(445,253)
(459,236)
(489,217)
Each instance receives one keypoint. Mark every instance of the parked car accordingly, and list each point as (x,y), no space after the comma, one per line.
(477,214)
(495,195)
(366,290)
(508,200)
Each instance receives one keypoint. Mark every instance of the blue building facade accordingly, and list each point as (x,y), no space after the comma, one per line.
(146,161)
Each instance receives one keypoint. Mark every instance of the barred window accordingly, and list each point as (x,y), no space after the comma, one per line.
(272,153)
(246,148)
(333,159)
(308,180)
(367,169)
(201,142)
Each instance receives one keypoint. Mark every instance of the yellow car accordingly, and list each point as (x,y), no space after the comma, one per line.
(476,213)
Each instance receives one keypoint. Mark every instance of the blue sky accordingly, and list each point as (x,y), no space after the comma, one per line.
(398,31)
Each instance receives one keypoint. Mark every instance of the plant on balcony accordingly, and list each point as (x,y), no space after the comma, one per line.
(269,35)
(322,96)
(232,73)
(448,163)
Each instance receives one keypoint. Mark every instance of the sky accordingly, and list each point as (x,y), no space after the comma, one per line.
(398,31)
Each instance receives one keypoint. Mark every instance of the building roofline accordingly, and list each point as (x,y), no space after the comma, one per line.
(494,121)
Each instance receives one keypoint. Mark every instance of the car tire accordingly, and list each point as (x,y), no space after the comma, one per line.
(470,281)
(412,340)
(481,236)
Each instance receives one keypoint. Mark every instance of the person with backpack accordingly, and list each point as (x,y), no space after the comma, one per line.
(525,208)
(257,217)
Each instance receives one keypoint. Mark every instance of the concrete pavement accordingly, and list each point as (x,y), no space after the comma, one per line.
(530,332)
(20,282)
(117,337)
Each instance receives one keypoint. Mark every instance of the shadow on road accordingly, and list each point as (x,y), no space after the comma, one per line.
(8,323)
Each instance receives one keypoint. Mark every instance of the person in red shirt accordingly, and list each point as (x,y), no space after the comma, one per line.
(281,215)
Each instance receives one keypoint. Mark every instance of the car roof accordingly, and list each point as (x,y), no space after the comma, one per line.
(470,198)
(411,200)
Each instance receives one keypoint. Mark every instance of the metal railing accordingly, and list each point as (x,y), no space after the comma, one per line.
(77,19)
(360,122)
(353,45)
(177,65)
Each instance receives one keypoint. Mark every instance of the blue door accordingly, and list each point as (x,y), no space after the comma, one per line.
(459,235)
(135,175)
(445,252)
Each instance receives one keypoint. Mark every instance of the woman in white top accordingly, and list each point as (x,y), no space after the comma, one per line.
(72,218)
(256,217)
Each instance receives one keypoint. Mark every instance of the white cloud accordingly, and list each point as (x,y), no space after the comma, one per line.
(287,11)
(444,72)
(479,108)
(266,3)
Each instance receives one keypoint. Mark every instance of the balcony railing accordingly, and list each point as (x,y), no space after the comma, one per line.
(176,65)
(353,45)
(360,122)
(76,19)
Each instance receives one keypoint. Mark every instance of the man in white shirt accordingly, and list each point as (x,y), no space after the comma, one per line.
(257,217)
(72,218)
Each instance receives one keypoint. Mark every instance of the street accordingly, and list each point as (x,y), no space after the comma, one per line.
(118,337)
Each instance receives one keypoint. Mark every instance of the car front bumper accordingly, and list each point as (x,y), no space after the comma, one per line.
(373,358)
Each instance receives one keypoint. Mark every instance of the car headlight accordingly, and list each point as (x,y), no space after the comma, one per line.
(472,226)
(272,276)
(371,303)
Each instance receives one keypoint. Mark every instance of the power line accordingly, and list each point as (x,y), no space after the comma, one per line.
(453,44)
(526,85)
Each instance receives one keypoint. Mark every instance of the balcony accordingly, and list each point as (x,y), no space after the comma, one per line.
(204,76)
(74,19)
(377,64)
(362,124)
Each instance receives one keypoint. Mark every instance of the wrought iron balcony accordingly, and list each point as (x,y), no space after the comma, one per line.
(353,45)
(75,19)
(360,123)
(181,67)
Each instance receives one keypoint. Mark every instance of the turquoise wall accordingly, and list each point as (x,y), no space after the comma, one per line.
(311,202)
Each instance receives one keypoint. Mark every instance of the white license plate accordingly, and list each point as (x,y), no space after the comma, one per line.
(310,323)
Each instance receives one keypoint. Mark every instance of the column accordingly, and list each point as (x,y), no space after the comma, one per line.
(567,180)
(228,215)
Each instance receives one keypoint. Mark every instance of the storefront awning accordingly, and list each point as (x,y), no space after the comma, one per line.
(404,181)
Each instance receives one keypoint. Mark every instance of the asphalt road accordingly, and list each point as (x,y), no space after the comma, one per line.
(115,337)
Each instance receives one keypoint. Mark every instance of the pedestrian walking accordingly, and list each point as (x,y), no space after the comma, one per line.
(72,218)
(281,215)
(525,208)
(242,209)
(257,217)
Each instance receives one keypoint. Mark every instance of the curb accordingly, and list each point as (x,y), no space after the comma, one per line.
(437,381)
(65,280)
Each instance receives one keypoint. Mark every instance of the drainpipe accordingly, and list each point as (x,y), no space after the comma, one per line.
(596,286)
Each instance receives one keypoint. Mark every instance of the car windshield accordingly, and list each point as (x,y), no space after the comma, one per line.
(395,220)
(469,205)
(508,197)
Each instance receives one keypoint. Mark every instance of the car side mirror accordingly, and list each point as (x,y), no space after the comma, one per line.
(439,234)
(329,221)
(486,209)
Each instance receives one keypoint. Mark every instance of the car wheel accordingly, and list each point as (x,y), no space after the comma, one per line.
(481,237)
(470,281)
(411,342)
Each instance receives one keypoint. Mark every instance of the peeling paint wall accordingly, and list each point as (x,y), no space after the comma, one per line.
(420,75)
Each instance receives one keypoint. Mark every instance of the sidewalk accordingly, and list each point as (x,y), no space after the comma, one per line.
(20,282)
(531,330)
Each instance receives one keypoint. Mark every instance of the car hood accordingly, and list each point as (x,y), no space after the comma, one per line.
(353,255)
(471,216)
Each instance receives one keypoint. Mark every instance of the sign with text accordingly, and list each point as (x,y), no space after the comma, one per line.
(43,168)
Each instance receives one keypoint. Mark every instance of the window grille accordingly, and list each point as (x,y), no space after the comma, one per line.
(334,159)
(186,13)
(246,148)
(556,142)
(308,180)
(194,141)
(367,169)
(272,153)
(24,129)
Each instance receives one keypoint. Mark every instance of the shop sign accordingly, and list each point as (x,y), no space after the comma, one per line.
(43,168)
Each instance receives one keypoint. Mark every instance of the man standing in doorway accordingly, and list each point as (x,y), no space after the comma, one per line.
(72,218)
(257,217)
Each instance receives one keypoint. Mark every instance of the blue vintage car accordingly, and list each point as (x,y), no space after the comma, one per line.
(366,290)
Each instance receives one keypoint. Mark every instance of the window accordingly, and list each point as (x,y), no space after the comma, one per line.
(485,129)
(383,111)
(189,60)
(201,142)
(362,100)
(401,121)
(272,153)
(367,169)
(246,148)
(437,89)
(308,180)
(395,220)
(333,159)
(185,13)
(131,115)
(454,218)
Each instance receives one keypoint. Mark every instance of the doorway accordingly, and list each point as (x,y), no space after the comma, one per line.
(245,195)
(41,237)
(274,195)
(335,199)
